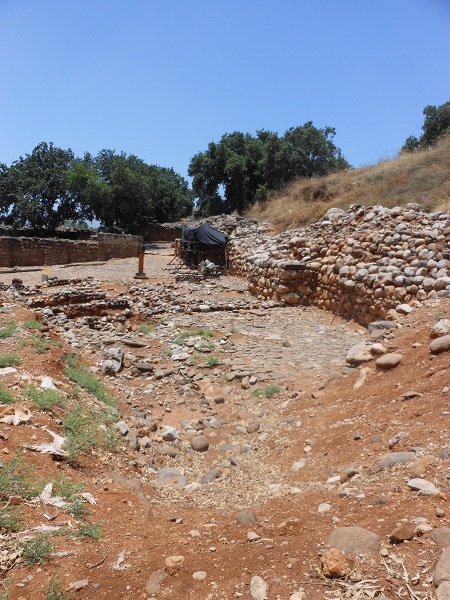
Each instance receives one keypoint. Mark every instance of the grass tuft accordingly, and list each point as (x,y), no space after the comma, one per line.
(268,392)
(79,374)
(10,519)
(6,397)
(32,324)
(37,550)
(45,399)
(87,429)
(10,359)
(8,330)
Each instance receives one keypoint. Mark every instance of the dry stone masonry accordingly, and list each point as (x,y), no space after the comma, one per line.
(361,263)
(26,251)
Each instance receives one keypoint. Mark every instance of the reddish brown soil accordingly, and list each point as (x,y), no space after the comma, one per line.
(340,427)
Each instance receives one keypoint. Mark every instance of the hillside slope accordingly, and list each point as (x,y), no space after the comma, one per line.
(422,177)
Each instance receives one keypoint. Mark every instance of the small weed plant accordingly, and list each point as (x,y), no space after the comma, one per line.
(18,478)
(79,374)
(145,328)
(32,324)
(55,590)
(10,519)
(37,550)
(87,429)
(88,530)
(6,397)
(8,330)
(45,399)
(10,359)
(40,344)
(184,335)
(268,392)
(212,361)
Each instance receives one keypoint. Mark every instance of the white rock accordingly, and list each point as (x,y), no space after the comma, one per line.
(423,486)
(48,384)
(404,309)
(258,588)
(324,507)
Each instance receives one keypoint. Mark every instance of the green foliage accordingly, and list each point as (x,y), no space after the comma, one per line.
(40,344)
(212,361)
(45,399)
(124,192)
(36,192)
(10,519)
(247,167)
(37,550)
(10,359)
(8,330)
(268,392)
(87,530)
(87,429)
(80,375)
(6,397)
(184,335)
(32,324)
(55,590)
(145,328)
(435,125)
(18,478)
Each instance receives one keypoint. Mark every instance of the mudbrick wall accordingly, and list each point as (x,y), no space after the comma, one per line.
(362,263)
(25,251)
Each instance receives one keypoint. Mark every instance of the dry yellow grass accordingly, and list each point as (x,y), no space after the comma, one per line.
(422,177)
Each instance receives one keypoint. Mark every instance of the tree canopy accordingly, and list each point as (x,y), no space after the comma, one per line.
(240,169)
(34,191)
(51,186)
(436,124)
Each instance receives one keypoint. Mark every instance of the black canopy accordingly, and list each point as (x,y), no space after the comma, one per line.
(205,234)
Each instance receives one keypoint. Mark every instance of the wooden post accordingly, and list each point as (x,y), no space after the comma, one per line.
(140,274)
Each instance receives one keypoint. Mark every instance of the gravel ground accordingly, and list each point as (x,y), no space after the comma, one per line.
(156,266)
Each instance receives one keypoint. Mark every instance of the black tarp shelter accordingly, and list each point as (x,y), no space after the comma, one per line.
(205,234)
(198,244)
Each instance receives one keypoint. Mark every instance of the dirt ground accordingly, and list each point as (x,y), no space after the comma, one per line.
(296,446)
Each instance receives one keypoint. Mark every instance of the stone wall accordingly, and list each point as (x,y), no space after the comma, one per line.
(362,263)
(25,251)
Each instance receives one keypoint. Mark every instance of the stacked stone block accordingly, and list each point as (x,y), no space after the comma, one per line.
(362,262)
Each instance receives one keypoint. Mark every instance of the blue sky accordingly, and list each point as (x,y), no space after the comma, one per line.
(163,78)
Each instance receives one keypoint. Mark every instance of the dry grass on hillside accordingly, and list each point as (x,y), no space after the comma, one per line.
(422,177)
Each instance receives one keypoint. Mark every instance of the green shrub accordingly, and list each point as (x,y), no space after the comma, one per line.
(45,399)
(10,519)
(269,391)
(6,397)
(87,530)
(32,324)
(37,550)
(80,375)
(55,590)
(17,478)
(8,330)
(212,361)
(40,343)
(10,359)
(145,328)
(87,429)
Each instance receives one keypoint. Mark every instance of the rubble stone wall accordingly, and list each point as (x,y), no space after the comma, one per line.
(361,263)
(26,251)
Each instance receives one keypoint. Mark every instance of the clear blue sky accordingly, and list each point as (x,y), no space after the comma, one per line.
(163,78)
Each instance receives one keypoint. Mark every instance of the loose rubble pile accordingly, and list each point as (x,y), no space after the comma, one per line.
(361,262)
